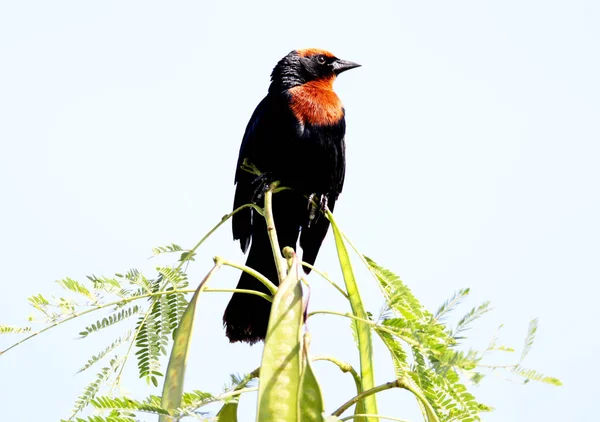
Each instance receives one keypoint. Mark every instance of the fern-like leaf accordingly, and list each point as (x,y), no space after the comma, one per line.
(150,405)
(399,297)
(96,358)
(175,276)
(531,375)
(108,285)
(111,320)
(529,338)
(10,329)
(150,342)
(166,249)
(76,287)
(92,389)
(450,304)
(465,322)
(109,418)
(40,303)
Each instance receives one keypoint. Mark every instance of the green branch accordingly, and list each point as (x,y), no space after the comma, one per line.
(219,224)
(344,367)
(264,280)
(371,323)
(399,383)
(359,397)
(272,232)
(326,277)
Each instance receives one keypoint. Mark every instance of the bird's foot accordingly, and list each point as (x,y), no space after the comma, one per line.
(313,206)
(260,185)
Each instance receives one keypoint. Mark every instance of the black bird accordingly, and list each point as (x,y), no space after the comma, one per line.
(296,136)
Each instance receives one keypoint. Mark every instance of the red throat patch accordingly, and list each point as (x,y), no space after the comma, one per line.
(316,103)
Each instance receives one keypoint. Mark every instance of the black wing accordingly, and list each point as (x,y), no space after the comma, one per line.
(245,191)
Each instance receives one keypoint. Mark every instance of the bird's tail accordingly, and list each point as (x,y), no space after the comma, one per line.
(247,316)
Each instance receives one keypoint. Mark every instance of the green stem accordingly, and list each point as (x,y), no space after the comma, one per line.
(407,384)
(326,277)
(264,280)
(122,301)
(359,397)
(219,224)
(236,393)
(270,220)
(344,367)
(250,292)
(366,321)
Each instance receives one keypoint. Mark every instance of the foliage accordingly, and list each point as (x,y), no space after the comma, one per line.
(428,353)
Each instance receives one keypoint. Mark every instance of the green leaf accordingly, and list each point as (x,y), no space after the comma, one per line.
(92,389)
(529,338)
(399,297)
(112,319)
(96,358)
(472,315)
(173,387)
(531,375)
(149,405)
(363,330)
(280,370)
(10,329)
(310,406)
(451,304)
(228,412)
(166,249)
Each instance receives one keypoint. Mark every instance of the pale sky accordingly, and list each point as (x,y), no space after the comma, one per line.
(472,147)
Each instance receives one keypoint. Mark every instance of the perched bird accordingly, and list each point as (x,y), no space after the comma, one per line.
(296,136)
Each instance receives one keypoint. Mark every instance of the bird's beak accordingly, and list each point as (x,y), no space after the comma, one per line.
(340,66)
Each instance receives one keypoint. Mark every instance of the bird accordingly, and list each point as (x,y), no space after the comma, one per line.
(295,136)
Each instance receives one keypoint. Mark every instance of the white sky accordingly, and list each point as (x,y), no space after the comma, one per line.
(472,142)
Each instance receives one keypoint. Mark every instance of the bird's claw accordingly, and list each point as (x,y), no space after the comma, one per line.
(312,207)
(261,185)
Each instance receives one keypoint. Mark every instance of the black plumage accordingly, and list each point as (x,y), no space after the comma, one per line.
(296,136)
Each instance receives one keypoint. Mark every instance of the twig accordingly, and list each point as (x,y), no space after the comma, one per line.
(264,280)
(272,232)
(246,291)
(359,397)
(344,367)
(326,277)
(371,323)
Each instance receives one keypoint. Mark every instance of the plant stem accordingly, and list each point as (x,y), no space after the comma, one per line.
(359,397)
(371,323)
(219,224)
(344,367)
(250,292)
(264,280)
(409,385)
(272,232)
(236,392)
(122,301)
(326,277)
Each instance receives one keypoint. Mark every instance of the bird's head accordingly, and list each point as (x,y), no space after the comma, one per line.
(303,66)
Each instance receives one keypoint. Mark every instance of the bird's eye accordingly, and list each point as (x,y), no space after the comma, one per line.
(321,59)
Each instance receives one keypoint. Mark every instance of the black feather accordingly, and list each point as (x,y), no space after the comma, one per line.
(309,159)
